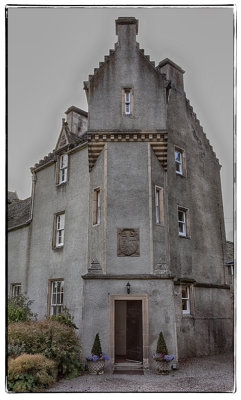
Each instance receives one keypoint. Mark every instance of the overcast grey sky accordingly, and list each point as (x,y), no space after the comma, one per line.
(51,51)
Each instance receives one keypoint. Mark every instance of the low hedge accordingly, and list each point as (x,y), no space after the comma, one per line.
(53,339)
(31,373)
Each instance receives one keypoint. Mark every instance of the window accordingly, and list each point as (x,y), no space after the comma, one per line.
(159,205)
(15,289)
(96,206)
(56,297)
(58,237)
(179,161)
(62,170)
(185,300)
(127,101)
(183,222)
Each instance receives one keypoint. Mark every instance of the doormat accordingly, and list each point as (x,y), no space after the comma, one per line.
(129,371)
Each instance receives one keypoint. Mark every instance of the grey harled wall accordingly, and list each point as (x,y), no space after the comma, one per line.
(201,256)
(127,68)
(69,262)
(97,315)
(127,204)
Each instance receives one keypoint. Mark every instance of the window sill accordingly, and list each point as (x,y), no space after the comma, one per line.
(187,316)
(61,184)
(58,247)
(184,237)
(95,225)
(181,175)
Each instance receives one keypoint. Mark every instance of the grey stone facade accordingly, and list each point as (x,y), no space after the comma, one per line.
(117,163)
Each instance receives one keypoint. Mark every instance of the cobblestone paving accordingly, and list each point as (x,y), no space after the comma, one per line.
(206,374)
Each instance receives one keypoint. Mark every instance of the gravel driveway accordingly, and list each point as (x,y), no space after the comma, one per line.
(205,374)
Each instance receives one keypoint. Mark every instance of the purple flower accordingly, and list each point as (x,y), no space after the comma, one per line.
(105,356)
(95,358)
(169,358)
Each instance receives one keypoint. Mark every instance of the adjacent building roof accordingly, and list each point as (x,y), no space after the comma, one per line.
(12,196)
(19,213)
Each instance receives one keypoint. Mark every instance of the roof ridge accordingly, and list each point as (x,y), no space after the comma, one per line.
(102,63)
(147,57)
(197,122)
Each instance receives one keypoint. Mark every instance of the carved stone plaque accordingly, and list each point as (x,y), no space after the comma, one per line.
(128,243)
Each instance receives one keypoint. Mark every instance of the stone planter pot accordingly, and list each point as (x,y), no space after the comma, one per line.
(163,367)
(96,368)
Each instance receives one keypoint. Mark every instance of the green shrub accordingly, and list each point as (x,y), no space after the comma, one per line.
(96,348)
(65,318)
(19,309)
(53,339)
(161,345)
(31,373)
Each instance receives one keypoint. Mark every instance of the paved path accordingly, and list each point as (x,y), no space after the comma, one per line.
(205,374)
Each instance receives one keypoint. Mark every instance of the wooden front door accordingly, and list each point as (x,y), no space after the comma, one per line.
(128,330)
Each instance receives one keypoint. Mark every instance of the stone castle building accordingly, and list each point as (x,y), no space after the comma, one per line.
(125,222)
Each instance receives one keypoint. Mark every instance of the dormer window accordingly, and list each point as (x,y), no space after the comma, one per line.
(62,169)
(127,101)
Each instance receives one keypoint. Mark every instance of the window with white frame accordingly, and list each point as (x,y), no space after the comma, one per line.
(183,222)
(185,299)
(56,297)
(63,168)
(179,161)
(127,101)
(159,205)
(96,206)
(59,230)
(15,289)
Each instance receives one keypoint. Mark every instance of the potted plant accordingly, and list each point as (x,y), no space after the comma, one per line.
(96,361)
(161,356)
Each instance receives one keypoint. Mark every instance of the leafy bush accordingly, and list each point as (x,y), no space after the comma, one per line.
(15,348)
(161,347)
(65,318)
(19,309)
(31,373)
(52,339)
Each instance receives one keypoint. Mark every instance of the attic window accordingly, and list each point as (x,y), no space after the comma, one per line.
(127,101)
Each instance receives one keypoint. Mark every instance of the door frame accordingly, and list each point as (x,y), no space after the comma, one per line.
(145,330)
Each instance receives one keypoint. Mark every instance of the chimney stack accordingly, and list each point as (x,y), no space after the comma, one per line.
(126,29)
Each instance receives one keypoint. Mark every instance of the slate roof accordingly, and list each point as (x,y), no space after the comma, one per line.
(12,196)
(73,141)
(19,213)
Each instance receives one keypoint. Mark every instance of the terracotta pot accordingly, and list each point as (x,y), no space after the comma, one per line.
(96,367)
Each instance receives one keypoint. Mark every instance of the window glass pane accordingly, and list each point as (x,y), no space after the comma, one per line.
(184,304)
(184,292)
(127,108)
(127,97)
(178,167)
(177,156)
(181,216)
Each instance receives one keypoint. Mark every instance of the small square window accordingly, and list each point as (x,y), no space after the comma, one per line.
(179,161)
(15,289)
